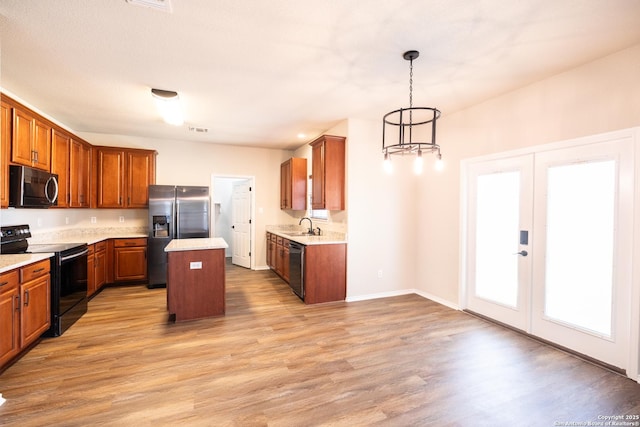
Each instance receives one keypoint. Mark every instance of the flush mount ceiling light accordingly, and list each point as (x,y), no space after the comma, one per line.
(164,5)
(169,106)
(410,131)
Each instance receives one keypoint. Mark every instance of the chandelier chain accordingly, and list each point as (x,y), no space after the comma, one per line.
(410,97)
(411,84)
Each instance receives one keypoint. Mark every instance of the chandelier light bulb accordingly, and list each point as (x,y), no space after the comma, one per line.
(439,166)
(418,163)
(388,167)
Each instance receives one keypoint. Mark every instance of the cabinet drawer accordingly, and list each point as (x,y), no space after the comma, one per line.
(120,243)
(279,240)
(8,280)
(101,246)
(273,237)
(32,271)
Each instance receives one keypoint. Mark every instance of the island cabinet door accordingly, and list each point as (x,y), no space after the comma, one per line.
(196,283)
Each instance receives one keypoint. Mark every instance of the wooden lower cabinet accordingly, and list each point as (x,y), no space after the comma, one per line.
(278,255)
(272,249)
(325,273)
(129,260)
(269,245)
(35,297)
(25,308)
(96,267)
(9,316)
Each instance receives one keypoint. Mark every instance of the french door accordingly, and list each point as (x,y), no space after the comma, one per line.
(500,213)
(549,248)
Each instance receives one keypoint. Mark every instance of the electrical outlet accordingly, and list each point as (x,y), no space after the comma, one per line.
(379,274)
(121,219)
(66,220)
(39,222)
(93,220)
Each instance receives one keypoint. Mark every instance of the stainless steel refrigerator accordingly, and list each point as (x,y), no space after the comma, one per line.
(175,212)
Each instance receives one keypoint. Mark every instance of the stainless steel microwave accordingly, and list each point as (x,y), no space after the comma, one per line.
(32,188)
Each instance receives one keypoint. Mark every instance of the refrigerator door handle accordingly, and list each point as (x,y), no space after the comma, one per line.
(176,216)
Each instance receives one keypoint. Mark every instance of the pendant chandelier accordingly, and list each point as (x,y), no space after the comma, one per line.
(410,131)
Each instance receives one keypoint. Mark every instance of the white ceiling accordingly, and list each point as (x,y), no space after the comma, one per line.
(257,73)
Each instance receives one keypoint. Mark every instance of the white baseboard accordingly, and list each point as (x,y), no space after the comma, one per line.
(380,295)
(405,292)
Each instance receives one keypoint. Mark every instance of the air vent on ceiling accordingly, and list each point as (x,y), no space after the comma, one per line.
(198,130)
(164,5)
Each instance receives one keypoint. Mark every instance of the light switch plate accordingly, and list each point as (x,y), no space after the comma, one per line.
(196,265)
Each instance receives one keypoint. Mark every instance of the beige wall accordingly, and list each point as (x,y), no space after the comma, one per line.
(597,97)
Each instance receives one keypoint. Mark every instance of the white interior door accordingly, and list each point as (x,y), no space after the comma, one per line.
(573,287)
(582,258)
(500,194)
(241,224)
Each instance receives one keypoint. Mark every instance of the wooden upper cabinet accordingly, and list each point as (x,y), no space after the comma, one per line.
(123,177)
(5,152)
(23,135)
(31,142)
(110,177)
(293,184)
(60,147)
(140,174)
(42,145)
(71,161)
(328,172)
(79,179)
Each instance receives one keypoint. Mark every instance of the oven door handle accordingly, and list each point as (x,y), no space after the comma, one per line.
(79,254)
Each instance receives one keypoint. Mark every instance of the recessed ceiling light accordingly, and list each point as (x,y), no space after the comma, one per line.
(164,5)
(301,135)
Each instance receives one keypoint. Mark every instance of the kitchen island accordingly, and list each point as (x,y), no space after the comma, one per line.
(196,278)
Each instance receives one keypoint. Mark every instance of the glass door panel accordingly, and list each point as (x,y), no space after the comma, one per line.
(497,228)
(579,249)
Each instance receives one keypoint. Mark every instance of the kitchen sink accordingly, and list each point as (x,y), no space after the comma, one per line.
(300,234)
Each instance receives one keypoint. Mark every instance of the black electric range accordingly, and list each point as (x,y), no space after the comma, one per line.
(68,274)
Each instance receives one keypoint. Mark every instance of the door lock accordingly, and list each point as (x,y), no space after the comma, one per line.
(523,253)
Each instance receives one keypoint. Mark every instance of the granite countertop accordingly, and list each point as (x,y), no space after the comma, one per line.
(12,261)
(197,244)
(288,232)
(91,238)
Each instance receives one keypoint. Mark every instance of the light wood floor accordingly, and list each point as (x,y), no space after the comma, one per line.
(274,361)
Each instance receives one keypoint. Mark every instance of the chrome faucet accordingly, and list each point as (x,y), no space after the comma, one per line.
(310,224)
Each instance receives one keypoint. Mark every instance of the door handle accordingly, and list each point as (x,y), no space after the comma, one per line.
(523,253)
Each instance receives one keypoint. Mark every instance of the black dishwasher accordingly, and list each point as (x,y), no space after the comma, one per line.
(296,271)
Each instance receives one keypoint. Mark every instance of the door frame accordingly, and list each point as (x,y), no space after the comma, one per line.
(633,353)
(252,232)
